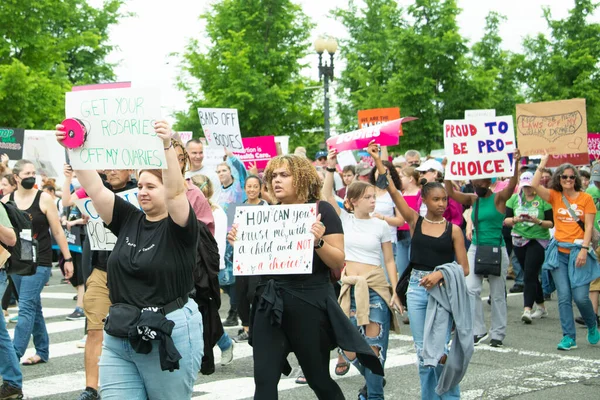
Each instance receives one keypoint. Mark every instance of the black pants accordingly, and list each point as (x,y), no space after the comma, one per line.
(306,331)
(245,288)
(10,290)
(531,257)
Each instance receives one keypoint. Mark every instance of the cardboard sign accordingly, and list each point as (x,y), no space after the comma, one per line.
(471,114)
(11,142)
(100,237)
(479,148)
(42,149)
(274,240)
(559,127)
(575,159)
(387,134)
(594,145)
(221,128)
(120,125)
(377,116)
(257,150)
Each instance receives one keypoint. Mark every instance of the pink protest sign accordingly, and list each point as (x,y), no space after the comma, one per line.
(102,86)
(556,160)
(257,150)
(387,134)
(593,140)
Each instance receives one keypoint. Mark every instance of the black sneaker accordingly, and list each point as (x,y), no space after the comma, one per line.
(232,319)
(477,339)
(10,392)
(516,288)
(76,315)
(496,343)
(89,394)
(241,337)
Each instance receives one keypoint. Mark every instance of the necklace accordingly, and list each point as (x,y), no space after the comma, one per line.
(435,222)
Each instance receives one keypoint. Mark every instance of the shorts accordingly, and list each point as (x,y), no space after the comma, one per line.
(595,285)
(95,300)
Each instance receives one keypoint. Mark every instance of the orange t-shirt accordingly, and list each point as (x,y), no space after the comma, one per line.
(567,229)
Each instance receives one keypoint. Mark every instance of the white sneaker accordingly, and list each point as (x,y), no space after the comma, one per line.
(526,317)
(227,355)
(81,343)
(539,313)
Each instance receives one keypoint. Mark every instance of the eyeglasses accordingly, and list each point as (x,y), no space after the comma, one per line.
(565,177)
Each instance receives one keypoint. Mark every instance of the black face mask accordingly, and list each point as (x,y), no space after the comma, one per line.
(481,191)
(28,183)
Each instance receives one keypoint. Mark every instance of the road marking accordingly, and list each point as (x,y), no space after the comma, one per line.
(50,312)
(58,327)
(57,350)
(61,296)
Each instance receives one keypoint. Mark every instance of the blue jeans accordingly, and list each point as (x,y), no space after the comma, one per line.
(517,270)
(566,295)
(224,342)
(548,286)
(417,298)
(9,363)
(125,374)
(402,255)
(379,313)
(31,320)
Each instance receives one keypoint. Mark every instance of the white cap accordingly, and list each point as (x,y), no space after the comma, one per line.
(431,164)
(525,179)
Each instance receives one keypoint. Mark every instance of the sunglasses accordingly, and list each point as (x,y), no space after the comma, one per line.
(565,177)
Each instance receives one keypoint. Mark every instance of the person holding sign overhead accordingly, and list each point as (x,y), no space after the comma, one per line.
(571,261)
(299,312)
(153,335)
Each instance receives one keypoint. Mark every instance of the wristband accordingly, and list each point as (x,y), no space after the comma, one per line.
(69,260)
(585,247)
(167,148)
(331,169)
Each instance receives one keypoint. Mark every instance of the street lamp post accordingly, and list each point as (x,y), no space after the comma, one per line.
(330,45)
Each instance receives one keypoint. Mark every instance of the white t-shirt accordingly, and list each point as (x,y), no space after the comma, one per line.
(384,205)
(220,233)
(214,179)
(363,238)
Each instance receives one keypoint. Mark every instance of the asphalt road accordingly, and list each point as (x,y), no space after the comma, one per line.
(527,367)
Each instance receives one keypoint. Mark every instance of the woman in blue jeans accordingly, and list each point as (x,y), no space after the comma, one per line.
(153,341)
(44,219)
(435,241)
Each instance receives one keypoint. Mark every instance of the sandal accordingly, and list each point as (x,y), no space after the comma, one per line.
(343,368)
(301,380)
(33,361)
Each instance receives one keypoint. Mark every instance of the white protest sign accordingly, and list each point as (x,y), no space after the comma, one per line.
(346,158)
(120,124)
(284,143)
(101,238)
(479,148)
(221,127)
(274,240)
(213,156)
(183,136)
(470,114)
(42,149)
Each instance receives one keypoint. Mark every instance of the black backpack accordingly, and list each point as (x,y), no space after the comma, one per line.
(206,272)
(23,255)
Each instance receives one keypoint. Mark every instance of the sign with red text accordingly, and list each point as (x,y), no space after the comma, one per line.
(479,148)
(274,240)
(183,137)
(120,129)
(221,128)
(257,150)
(594,145)
(387,134)
(558,127)
(575,159)
(377,116)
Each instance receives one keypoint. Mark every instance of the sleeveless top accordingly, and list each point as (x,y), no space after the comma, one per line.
(428,252)
(40,230)
(491,222)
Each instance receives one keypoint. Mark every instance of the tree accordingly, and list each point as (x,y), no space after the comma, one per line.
(253,65)
(566,65)
(46,47)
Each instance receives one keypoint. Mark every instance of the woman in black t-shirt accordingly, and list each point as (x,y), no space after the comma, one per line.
(299,313)
(150,269)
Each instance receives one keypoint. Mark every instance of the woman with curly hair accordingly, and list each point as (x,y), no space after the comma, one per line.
(299,313)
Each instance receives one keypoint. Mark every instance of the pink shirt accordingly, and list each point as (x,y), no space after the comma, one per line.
(414,202)
(200,206)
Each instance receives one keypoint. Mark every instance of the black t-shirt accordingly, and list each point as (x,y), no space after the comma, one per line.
(152,262)
(320,271)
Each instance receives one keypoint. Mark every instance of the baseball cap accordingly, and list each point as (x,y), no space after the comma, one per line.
(431,164)
(363,170)
(320,153)
(595,174)
(526,178)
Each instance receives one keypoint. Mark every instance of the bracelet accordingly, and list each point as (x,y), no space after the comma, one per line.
(540,223)
(585,247)
(330,169)
(167,148)
(69,260)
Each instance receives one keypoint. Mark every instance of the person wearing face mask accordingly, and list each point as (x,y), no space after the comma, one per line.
(44,219)
(490,220)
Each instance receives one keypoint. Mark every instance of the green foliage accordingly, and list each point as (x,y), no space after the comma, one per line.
(253,65)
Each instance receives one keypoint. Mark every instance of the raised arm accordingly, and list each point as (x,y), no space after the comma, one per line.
(328,184)
(466,199)
(503,196)
(178,206)
(408,213)
(66,196)
(535,182)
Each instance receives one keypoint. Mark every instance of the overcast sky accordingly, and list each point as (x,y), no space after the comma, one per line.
(162,27)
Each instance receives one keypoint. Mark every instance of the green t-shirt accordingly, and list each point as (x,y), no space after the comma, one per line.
(534,208)
(593,191)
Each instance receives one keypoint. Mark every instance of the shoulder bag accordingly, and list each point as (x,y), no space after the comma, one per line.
(488,259)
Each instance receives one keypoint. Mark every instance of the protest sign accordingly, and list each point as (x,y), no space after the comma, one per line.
(11,142)
(345,158)
(576,159)
(100,86)
(257,150)
(558,127)
(183,137)
(42,149)
(387,134)
(120,125)
(213,156)
(100,237)
(479,148)
(274,240)
(377,116)
(471,114)
(221,127)
(284,144)
(73,237)
(594,145)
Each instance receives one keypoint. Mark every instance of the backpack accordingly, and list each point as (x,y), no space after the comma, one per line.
(206,272)
(23,255)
